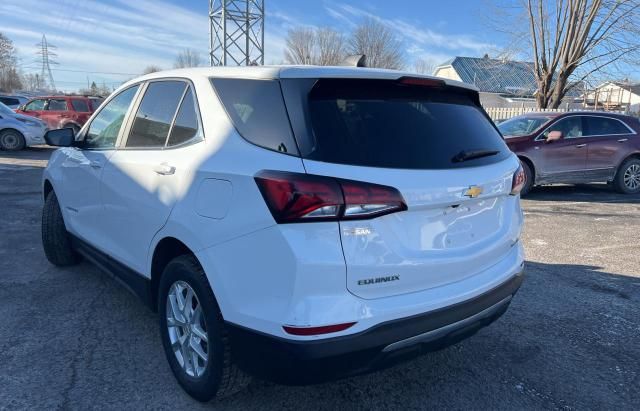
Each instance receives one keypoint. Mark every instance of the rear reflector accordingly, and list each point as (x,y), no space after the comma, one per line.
(297,197)
(326,329)
(518,182)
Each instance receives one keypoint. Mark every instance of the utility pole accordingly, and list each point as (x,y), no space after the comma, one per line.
(236,32)
(47,56)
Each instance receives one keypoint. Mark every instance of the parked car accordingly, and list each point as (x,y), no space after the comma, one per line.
(18,131)
(13,102)
(576,147)
(297,223)
(61,111)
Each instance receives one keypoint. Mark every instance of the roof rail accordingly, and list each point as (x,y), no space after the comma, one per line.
(355,60)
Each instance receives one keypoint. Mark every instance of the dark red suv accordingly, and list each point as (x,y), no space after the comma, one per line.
(577,147)
(61,111)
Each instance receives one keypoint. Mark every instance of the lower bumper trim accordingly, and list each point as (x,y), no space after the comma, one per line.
(448,329)
(298,362)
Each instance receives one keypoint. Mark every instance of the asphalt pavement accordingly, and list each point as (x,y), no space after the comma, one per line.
(74,338)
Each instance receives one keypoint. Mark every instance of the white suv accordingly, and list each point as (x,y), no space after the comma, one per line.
(298,223)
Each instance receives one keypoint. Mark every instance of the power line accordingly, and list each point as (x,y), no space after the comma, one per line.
(91,72)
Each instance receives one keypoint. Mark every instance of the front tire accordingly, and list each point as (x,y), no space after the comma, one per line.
(627,180)
(56,241)
(12,140)
(193,334)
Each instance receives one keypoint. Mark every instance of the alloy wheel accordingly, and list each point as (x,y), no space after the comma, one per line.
(10,141)
(187,329)
(632,177)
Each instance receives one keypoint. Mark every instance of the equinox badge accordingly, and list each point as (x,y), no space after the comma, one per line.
(386,279)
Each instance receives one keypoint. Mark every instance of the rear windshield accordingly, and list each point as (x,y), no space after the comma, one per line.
(382,123)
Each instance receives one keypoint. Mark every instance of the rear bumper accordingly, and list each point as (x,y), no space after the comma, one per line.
(306,362)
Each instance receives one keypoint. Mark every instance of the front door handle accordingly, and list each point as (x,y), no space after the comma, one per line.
(581,145)
(95,164)
(622,140)
(164,169)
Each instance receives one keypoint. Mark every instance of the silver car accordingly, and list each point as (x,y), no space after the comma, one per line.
(18,131)
(13,102)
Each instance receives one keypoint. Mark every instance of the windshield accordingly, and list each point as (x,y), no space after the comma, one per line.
(522,126)
(5,110)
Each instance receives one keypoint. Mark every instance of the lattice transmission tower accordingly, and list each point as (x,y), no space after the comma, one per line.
(47,56)
(236,32)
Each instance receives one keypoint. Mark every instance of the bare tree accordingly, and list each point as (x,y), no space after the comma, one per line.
(151,69)
(424,66)
(574,40)
(323,46)
(10,78)
(379,43)
(301,43)
(187,58)
(331,47)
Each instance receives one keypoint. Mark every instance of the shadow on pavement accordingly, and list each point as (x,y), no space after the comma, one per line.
(603,193)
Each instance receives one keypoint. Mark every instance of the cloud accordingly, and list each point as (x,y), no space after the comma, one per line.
(120,36)
(417,35)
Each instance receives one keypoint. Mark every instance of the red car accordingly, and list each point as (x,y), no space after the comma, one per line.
(61,111)
(576,147)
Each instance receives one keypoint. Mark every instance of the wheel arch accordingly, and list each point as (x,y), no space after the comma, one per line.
(47,187)
(630,156)
(165,250)
(12,129)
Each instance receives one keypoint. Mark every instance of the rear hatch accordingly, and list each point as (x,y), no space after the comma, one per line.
(436,146)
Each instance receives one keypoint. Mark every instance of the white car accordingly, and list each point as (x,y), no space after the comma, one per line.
(295,223)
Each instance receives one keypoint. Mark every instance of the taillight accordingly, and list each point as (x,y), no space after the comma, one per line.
(364,200)
(518,182)
(296,197)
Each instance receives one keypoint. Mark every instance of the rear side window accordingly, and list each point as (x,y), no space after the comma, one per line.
(155,114)
(257,111)
(186,127)
(9,101)
(382,123)
(80,105)
(603,126)
(57,105)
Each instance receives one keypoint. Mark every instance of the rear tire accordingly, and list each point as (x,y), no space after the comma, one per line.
(56,241)
(528,185)
(627,179)
(11,140)
(203,376)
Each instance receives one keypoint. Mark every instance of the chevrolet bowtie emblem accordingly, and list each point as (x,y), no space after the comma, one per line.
(473,191)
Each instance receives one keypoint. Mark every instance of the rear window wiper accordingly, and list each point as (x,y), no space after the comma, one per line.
(473,154)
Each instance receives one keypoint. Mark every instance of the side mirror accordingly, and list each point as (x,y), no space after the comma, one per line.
(554,136)
(64,137)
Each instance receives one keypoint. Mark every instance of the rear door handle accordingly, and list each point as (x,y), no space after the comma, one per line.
(622,140)
(581,145)
(164,169)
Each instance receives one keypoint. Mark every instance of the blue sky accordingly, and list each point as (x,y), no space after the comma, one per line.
(113,40)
